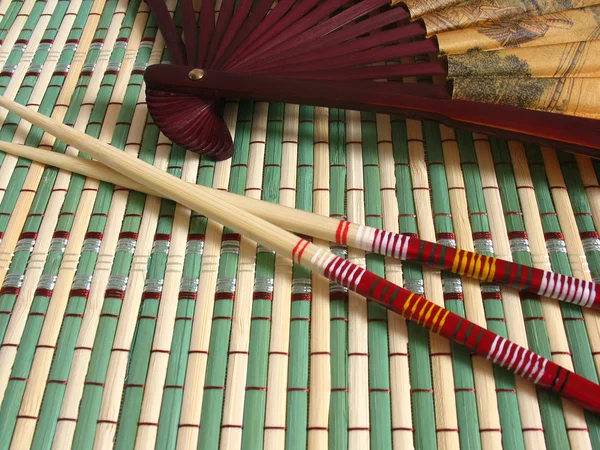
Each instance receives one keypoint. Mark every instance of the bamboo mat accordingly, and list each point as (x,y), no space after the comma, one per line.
(127,321)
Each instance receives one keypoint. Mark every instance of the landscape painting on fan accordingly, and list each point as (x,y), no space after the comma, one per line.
(542,55)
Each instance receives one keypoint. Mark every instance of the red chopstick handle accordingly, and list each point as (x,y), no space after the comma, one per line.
(512,357)
(474,265)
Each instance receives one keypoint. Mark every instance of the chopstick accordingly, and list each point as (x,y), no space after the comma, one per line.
(461,262)
(413,307)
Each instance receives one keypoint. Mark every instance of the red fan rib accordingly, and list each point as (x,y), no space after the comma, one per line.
(372,48)
(169,31)
(206,24)
(190,30)
(277,18)
(330,42)
(319,31)
(229,45)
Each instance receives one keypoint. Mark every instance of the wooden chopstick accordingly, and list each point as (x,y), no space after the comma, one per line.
(461,262)
(413,307)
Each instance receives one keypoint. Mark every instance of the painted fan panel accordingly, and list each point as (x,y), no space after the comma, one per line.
(463,58)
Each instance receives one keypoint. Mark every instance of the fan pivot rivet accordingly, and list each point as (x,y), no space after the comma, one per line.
(196,74)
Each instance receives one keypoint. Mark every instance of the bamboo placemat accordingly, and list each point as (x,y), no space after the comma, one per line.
(128,321)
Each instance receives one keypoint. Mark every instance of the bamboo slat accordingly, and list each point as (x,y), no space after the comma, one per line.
(320,379)
(129,321)
(402,433)
(276,401)
(358,327)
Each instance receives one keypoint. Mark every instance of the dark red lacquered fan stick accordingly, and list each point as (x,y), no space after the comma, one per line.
(235,37)
(206,25)
(337,45)
(317,33)
(372,72)
(571,133)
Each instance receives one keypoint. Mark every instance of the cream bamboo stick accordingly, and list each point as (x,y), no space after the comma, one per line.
(233,411)
(485,385)
(510,298)
(577,258)
(277,377)
(358,325)
(322,261)
(402,421)
(482,373)
(443,375)
(15,30)
(592,187)
(189,422)
(40,368)
(15,82)
(165,320)
(23,204)
(574,418)
(320,374)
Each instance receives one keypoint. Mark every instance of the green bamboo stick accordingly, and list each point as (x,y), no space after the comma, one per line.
(418,342)
(297,397)
(338,415)
(379,364)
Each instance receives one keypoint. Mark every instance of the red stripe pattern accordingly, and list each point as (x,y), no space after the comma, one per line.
(484,268)
(416,308)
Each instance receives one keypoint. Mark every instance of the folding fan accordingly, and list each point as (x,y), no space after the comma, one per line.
(524,69)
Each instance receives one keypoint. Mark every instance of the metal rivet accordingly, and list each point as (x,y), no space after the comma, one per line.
(196,74)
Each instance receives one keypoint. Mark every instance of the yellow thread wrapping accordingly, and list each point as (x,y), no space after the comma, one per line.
(485,269)
(407,304)
(471,266)
(428,315)
(456,261)
(421,313)
(492,270)
(435,318)
(477,270)
(443,321)
(463,264)
(414,308)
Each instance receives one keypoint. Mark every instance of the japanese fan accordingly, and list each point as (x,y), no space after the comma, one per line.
(518,69)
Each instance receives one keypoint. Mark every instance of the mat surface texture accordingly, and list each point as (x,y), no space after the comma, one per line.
(128,321)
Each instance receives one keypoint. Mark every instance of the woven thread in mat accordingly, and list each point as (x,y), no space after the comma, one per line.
(129,321)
